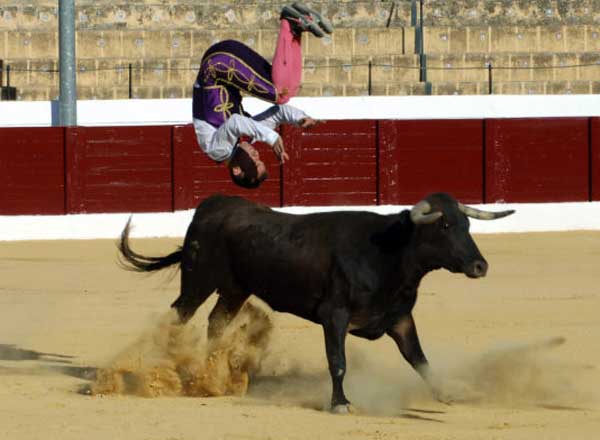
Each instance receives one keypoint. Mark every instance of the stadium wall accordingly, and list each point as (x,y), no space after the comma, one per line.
(538,154)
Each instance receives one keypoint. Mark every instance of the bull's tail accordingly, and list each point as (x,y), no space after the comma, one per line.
(133,261)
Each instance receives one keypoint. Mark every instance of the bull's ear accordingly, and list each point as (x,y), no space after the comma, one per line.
(480,214)
(421,213)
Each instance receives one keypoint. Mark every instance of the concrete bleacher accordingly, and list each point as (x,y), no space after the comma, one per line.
(493,39)
(511,12)
(527,44)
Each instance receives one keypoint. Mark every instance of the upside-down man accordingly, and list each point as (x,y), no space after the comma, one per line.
(229,68)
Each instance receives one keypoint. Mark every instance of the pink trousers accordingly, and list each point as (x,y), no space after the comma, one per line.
(287,63)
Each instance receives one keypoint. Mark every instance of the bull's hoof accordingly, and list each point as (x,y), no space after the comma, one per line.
(442,396)
(444,400)
(343,409)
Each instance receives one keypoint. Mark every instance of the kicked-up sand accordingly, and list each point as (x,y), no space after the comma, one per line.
(90,351)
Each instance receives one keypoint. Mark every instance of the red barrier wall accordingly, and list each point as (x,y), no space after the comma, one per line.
(595,158)
(119,169)
(537,160)
(146,169)
(32,171)
(421,157)
(334,163)
(196,176)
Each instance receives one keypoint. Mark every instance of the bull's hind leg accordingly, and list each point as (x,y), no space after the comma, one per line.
(335,323)
(227,307)
(195,289)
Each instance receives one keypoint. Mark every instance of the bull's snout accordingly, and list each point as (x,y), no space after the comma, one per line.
(477,269)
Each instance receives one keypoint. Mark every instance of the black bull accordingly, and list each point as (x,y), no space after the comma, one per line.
(351,272)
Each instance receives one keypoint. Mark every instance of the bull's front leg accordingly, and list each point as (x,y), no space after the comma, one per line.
(404,333)
(335,324)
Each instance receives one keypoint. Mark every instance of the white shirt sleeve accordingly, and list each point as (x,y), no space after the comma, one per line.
(276,115)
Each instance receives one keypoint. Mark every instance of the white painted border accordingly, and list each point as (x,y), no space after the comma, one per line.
(528,218)
(179,111)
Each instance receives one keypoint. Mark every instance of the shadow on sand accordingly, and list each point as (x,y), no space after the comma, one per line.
(10,352)
(50,363)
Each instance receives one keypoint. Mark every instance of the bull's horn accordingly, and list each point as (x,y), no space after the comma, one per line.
(419,213)
(483,215)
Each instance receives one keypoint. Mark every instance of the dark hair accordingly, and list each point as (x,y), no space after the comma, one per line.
(249,178)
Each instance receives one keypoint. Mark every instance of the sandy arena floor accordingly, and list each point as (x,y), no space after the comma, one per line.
(67,309)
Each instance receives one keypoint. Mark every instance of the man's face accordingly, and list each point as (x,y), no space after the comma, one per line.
(261,169)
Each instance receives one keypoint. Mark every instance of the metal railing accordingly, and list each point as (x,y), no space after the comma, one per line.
(488,70)
(7,93)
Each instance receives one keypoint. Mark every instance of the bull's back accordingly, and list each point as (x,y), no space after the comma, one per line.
(282,258)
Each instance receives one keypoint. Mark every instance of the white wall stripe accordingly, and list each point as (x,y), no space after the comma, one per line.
(530,217)
(179,111)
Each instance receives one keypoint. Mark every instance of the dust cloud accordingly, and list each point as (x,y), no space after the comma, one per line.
(177,360)
(380,382)
(519,375)
(515,375)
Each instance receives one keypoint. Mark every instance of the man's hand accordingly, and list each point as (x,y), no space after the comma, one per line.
(309,122)
(279,150)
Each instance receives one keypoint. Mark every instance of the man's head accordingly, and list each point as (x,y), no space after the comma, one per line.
(245,167)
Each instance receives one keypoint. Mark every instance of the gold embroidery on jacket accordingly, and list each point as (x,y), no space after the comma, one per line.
(224,105)
(238,79)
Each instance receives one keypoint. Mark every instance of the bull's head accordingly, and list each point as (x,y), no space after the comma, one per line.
(443,237)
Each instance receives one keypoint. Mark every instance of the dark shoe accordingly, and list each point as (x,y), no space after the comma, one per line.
(323,22)
(301,22)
